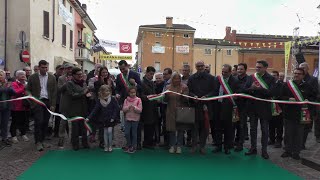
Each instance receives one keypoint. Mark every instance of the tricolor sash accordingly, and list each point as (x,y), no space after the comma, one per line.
(227,90)
(125,81)
(305,113)
(275,108)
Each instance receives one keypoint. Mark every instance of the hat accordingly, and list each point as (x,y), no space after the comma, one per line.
(59,66)
(68,65)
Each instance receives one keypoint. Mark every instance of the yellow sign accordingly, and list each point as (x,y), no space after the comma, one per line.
(287,48)
(115,57)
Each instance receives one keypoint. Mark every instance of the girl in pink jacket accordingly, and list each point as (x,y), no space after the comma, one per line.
(132,108)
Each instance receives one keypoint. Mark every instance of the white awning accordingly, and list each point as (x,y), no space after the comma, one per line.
(58,60)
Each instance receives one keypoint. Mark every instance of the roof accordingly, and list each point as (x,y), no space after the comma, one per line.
(174,26)
(83,13)
(264,37)
(220,42)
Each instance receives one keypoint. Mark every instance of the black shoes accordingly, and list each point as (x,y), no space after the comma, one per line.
(238,149)
(227,151)
(285,154)
(296,156)
(6,143)
(251,152)
(277,145)
(265,155)
(217,149)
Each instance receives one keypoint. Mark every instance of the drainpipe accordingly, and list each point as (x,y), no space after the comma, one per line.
(173,49)
(5,31)
(53,14)
(215,62)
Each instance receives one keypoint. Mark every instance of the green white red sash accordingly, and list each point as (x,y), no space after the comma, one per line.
(125,81)
(305,113)
(275,108)
(227,90)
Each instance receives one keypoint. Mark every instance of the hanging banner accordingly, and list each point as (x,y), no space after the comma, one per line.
(65,14)
(125,47)
(158,49)
(115,57)
(182,49)
(287,48)
(109,44)
(88,40)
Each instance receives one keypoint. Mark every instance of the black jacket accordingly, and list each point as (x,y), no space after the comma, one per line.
(149,111)
(234,86)
(201,84)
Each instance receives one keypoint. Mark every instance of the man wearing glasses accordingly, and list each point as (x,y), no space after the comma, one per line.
(260,85)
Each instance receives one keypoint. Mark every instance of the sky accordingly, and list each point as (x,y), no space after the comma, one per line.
(120,20)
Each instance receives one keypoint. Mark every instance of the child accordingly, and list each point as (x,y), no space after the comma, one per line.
(106,112)
(132,107)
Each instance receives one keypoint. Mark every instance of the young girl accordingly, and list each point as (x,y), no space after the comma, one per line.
(106,113)
(132,107)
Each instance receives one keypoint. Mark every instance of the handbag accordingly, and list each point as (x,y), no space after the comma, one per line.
(185,115)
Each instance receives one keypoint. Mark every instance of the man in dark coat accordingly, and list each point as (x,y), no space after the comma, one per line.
(159,83)
(223,125)
(260,85)
(313,82)
(149,111)
(201,85)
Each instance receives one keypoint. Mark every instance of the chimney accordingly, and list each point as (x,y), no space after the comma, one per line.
(169,22)
(228,34)
(84,6)
(233,35)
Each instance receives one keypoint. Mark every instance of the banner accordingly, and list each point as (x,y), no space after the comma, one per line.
(125,47)
(182,49)
(287,48)
(158,49)
(110,44)
(115,57)
(65,14)
(88,40)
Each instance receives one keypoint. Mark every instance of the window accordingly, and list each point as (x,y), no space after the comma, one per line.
(186,44)
(64,35)
(157,34)
(229,52)
(45,24)
(207,51)
(71,10)
(157,66)
(71,39)
(185,63)
(186,35)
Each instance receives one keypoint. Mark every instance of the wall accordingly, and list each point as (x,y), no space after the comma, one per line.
(87,30)
(199,54)
(2,21)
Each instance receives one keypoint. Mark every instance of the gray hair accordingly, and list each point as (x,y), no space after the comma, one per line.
(175,74)
(228,66)
(2,72)
(20,72)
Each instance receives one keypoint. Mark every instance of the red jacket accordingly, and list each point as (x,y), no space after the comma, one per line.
(20,90)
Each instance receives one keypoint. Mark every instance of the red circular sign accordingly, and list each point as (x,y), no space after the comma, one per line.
(25,56)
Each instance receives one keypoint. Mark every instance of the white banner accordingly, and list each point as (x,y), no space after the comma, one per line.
(158,49)
(65,14)
(182,49)
(110,44)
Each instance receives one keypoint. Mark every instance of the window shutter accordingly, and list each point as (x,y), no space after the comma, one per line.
(46,24)
(64,34)
(71,39)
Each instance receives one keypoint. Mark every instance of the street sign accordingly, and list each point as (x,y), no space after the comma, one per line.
(25,56)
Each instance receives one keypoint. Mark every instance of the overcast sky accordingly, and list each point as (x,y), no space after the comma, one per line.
(119,20)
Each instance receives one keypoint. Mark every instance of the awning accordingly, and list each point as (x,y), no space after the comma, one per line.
(58,60)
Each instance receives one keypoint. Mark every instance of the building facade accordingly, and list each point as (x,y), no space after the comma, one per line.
(165,45)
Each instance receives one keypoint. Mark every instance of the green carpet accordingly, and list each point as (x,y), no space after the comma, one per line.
(151,165)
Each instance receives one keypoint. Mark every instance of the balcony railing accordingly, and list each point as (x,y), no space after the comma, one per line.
(82,54)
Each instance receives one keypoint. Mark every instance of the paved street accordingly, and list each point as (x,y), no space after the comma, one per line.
(15,160)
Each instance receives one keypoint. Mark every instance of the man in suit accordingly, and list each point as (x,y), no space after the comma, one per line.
(223,125)
(313,82)
(260,85)
(42,85)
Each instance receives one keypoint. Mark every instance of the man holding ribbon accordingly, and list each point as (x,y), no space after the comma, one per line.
(295,116)
(261,86)
(225,84)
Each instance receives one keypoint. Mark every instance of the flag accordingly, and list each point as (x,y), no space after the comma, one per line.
(125,47)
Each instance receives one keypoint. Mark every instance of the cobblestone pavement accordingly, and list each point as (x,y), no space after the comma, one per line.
(16,159)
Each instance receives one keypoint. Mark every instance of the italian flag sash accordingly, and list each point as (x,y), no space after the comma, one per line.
(275,108)
(305,113)
(227,90)
(125,81)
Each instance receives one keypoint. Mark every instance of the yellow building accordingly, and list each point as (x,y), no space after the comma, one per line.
(215,53)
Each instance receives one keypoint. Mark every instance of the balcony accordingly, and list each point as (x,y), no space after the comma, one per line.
(82,54)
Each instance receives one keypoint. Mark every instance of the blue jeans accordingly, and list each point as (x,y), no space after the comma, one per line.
(130,131)
(4,119)
(176,139)
(107,135)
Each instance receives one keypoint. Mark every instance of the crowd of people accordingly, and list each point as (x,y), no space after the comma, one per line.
(106,101)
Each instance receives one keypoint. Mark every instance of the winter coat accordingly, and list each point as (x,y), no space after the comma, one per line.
(20,90)
(132,115)
(149,113)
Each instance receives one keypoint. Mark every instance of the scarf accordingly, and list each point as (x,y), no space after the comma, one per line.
(105,101)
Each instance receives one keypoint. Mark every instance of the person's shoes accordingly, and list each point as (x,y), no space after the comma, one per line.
(86,146)
(251,152)
(238,149)
(125,149)
(271,143)
(179,150)
(75,147)
(139,147)
(318,139)
(110,149)
(278,145)
(46,145)
(61,143)
(106,149)
(101,145)
(14,140)
(171,150)
(296,156)
(227,151)
(25,138)
(6,143)
(132,150)
(39,147)
(217,149)
(285,154)
(265,155)
(203,151)
(193,150)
